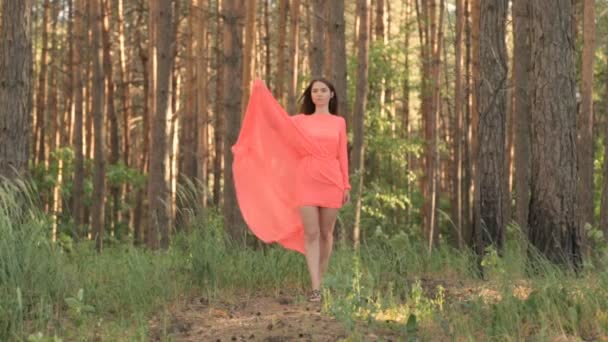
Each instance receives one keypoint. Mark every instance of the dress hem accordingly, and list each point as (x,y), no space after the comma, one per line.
(323,205)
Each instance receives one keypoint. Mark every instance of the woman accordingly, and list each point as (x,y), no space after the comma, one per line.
(291,173)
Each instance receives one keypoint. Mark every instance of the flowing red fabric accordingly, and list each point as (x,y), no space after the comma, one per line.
(270,148)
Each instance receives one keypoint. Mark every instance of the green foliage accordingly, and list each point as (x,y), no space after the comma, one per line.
(51,290)
(61,160)
(218,264)
(52,293)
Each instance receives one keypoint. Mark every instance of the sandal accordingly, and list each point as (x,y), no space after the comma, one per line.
(315,296)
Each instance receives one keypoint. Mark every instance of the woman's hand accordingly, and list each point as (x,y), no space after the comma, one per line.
(346,197)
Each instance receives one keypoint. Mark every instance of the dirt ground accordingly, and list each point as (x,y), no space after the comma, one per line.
(263,318)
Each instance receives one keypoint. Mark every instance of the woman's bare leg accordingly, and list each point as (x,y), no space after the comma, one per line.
(310,219)
(327,221)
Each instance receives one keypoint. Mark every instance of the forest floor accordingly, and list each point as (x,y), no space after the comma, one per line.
(289,317)
(261,318)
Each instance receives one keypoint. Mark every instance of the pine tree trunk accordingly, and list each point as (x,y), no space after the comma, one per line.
(219,126)
(15,87)
(202,109)
(363,12)
(78,190)
(39,133)
(457,176)
(585,120)
(249,53)
(294,52)
(110,110)
(97,210)
(604,204)
(338,76)
(232,14)
(553,222)
(268,59)
(146,65)
(281,49)
(318,46)
(158,186)
(491,157)
(521,110)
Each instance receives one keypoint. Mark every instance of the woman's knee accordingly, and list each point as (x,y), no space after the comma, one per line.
(312,233)
(327,233)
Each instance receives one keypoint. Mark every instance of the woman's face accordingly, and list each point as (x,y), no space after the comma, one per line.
(320,93)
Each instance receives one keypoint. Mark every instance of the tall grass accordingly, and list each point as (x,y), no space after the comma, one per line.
(78,294)
(40,282)
(30,267)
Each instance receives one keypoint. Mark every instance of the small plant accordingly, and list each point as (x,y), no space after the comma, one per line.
(40,337)
(491,262)
(78,308)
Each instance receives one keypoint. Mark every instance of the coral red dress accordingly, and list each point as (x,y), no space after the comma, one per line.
(282,162)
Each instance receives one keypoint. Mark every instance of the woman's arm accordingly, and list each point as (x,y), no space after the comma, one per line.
(343,155)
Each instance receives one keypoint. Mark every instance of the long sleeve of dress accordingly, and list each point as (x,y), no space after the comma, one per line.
(343,156)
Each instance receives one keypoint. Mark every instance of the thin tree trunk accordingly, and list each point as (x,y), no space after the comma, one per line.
(97,210)
(232,14)
(338,34)
(158,189)
(219,128)
(267,64)
(78,190)
(249,53)
(294,52)
(474,210)
(467,230)
(39,133)
(457,207)
(202,109)
(124,80)
(363,11)
(110,110)
(604,204)
(146,64)
(318,30)
(281,48)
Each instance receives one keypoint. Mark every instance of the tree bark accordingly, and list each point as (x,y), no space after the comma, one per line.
(363,12)
(219,126)
(232,14)
(249,53)
(338,76)
(158,190)
(110,109)
(15,87)
(78,190)
(281,48)
(294,52)
(146,57)
(457,176)
(521,112)
(318,30)
(491,158)
(39,133)
(97,210)
(604,204)
(585,121)
(554,229)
